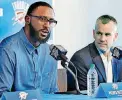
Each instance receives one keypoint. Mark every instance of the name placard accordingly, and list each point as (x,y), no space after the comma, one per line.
(22,95)
(109,90)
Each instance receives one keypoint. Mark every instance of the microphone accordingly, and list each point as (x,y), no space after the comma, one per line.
(59,53)
(117,52)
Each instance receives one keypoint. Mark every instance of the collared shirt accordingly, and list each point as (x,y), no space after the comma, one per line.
(24,67)
(108,66)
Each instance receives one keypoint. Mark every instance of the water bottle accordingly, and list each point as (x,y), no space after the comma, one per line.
(92,80)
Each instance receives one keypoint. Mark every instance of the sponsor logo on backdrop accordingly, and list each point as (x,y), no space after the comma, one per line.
(20,8)
(1,12)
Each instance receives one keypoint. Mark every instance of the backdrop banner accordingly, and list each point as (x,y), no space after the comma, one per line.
(12,13)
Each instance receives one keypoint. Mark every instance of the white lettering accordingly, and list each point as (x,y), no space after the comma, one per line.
(1,12)
(119,92)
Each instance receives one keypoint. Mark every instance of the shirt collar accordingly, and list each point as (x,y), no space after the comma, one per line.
(30,48)
(103,56)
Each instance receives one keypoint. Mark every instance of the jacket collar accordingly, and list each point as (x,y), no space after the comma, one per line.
(97,60)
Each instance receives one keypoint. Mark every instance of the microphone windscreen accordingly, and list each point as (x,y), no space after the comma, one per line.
(58,52)
(51,47)
(117,52)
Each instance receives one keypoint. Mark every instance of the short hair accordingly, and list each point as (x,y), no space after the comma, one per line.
(105,19)
(37,4)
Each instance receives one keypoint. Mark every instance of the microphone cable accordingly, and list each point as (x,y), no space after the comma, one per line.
(74,75)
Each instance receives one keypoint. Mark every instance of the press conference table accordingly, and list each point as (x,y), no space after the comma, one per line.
(10,96)
(73,97)
(36,95)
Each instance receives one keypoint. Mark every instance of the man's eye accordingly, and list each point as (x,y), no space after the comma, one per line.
(99,33)
(107,34)
(51,21)
(42,18)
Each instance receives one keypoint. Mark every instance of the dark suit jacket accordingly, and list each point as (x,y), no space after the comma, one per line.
(82,60)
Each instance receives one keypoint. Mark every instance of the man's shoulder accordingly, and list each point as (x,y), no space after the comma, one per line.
(84,55)
(85,49)
(10,41)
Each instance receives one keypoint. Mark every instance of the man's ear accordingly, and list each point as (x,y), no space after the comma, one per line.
(116,35)
(93,33)
(27,19)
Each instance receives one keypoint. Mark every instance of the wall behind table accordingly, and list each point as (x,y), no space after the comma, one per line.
(76,21)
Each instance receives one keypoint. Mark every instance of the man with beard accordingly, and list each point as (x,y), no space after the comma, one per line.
(108,68)
(25,62)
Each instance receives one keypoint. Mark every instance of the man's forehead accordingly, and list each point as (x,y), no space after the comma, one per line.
(110,26)
(44,11)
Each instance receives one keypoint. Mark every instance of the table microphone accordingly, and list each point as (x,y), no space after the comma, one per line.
(59,53)
(117,52)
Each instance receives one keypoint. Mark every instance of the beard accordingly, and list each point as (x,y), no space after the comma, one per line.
(35,35)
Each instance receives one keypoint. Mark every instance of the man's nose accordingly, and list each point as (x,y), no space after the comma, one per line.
(102,38)
(47,24)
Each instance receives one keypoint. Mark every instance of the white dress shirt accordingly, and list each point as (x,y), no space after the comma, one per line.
(108,67)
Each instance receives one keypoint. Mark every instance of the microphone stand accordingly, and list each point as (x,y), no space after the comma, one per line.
(77,91)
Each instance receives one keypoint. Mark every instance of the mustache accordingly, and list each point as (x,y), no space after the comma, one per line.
(44,30)
(33,32)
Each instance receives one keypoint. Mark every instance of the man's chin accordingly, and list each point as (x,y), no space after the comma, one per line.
(43,39)
(103,50)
